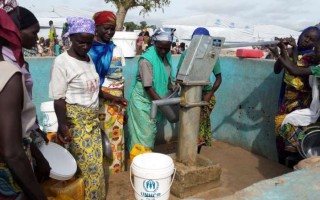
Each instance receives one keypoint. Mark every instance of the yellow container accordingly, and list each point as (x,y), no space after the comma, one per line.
(72,189)
(138,149)
(52,136)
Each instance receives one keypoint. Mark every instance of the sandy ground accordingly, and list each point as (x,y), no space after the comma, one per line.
(240,169)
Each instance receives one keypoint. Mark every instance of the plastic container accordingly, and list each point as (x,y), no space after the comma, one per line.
(52,136)
(138,149)
(153,174)
(249,53)
(127,42)
(49,117)
(63,165)
(71,189)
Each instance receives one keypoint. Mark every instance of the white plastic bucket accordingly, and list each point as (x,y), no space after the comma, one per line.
(153,174)
(127,42)
(49,118)
(62,163)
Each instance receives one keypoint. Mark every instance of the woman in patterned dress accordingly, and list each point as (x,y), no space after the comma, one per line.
(74,86)
(109,61)
(295,90)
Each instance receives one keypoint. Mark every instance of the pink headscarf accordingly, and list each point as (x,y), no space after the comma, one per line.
(8,5)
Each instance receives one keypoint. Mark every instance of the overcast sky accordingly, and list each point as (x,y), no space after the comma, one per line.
(295,14)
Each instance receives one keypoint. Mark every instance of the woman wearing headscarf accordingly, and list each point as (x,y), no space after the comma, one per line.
(152,81)
(29,27)
(109,61)
(17,116)
(300,122)
(295,90)
(74,86)
(205,133)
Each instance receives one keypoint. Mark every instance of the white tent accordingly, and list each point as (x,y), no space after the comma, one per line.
(218,26)
(234,31)
(268,32)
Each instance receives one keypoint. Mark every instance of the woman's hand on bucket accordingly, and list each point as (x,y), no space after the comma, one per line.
(63,134)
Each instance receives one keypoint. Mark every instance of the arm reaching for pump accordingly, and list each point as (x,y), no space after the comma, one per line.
(290,66)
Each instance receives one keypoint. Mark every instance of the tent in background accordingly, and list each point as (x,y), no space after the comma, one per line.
(233,31)
(268,32)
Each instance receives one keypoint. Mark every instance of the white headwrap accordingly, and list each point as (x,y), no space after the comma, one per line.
(163,34)
(8,5)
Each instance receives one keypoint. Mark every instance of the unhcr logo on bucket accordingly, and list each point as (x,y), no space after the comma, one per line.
(45,119)
(150,186)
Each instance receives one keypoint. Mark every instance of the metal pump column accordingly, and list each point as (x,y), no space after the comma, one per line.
(194,73)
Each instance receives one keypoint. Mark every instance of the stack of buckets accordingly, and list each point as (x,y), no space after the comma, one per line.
(153,174)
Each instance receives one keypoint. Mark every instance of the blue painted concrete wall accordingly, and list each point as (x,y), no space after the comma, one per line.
(246,105)
(245,109)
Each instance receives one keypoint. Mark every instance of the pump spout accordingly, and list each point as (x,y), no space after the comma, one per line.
(169,113)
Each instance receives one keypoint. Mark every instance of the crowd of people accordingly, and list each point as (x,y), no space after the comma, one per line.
(51,46)
(87,86)
(144,41)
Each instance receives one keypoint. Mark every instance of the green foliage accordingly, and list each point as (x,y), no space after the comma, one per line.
(143,24)
(124,5)
(147,5)
(131,26)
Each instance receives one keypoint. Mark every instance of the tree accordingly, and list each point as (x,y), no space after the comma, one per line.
(124,5)
(143,24)
(131,26)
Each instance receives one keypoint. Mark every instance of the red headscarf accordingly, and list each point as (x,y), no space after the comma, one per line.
(10,32)
(104,17)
